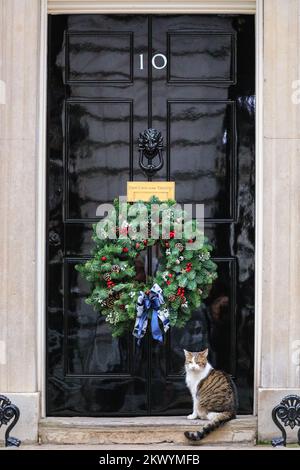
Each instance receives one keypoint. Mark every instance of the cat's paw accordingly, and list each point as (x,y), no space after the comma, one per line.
(192,416)
(203,417)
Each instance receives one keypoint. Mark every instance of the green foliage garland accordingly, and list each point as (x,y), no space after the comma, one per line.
(185,276)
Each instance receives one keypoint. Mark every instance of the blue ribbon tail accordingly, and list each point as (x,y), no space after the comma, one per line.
(151,301)
(156,331)
(142,319)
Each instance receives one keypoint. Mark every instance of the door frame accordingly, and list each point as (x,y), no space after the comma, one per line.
(153,7)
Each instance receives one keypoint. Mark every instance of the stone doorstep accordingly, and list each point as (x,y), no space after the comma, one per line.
(142,430)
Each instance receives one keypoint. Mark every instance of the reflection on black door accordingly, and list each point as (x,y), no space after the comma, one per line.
(103,91)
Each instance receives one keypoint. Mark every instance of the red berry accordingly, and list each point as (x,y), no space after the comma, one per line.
(145,242)
(172,234)
(125,250)
(167,245)
(168,282)
(103,258)
(190,241)
(170,275)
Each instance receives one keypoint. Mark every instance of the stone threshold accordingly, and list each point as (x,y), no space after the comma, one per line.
(142,430)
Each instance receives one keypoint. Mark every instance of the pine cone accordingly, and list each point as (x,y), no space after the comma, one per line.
(106,277)
(110,302)
(172,298)
(115,268)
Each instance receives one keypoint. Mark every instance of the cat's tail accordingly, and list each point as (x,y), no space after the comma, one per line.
(217,420)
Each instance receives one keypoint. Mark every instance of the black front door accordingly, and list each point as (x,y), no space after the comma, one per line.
(111,77)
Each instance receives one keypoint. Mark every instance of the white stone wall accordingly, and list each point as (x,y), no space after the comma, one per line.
(280,358)
(19,42)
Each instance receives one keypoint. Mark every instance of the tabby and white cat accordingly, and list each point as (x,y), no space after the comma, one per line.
(213,391)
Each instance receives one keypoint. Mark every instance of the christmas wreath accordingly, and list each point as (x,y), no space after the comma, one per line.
(183,278)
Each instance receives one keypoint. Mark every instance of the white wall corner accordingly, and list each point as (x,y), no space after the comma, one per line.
(268,398)
(26,428)
(259,188)
(41,209)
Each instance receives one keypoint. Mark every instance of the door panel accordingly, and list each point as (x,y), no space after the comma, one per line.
(95,108)
(102,94)
(204,103)
(99,57)
(98,148)
(201,162)
(210,53)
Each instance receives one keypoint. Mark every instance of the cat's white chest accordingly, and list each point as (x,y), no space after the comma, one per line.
(192,381)
(193,378)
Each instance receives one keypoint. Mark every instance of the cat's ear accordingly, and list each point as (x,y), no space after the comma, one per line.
(205,352)
(186,353)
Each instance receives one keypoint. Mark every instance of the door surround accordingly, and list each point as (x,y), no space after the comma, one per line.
(155,6)
(151,6)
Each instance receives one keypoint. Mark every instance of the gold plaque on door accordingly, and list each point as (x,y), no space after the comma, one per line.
(143,190)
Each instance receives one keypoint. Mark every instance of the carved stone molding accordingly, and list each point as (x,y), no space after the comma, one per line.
(154,6)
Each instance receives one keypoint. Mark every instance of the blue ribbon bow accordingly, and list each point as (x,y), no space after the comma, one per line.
(148,305)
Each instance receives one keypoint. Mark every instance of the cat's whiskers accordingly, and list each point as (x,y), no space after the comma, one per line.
(182,371)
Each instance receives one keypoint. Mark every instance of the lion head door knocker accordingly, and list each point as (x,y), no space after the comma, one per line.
(151,149)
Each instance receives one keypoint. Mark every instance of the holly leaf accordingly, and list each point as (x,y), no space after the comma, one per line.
(176,268)
(192,285)
(191,275)
(188,254)
(182,281)
(119,287)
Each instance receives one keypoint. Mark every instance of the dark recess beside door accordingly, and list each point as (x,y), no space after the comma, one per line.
(105,87)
